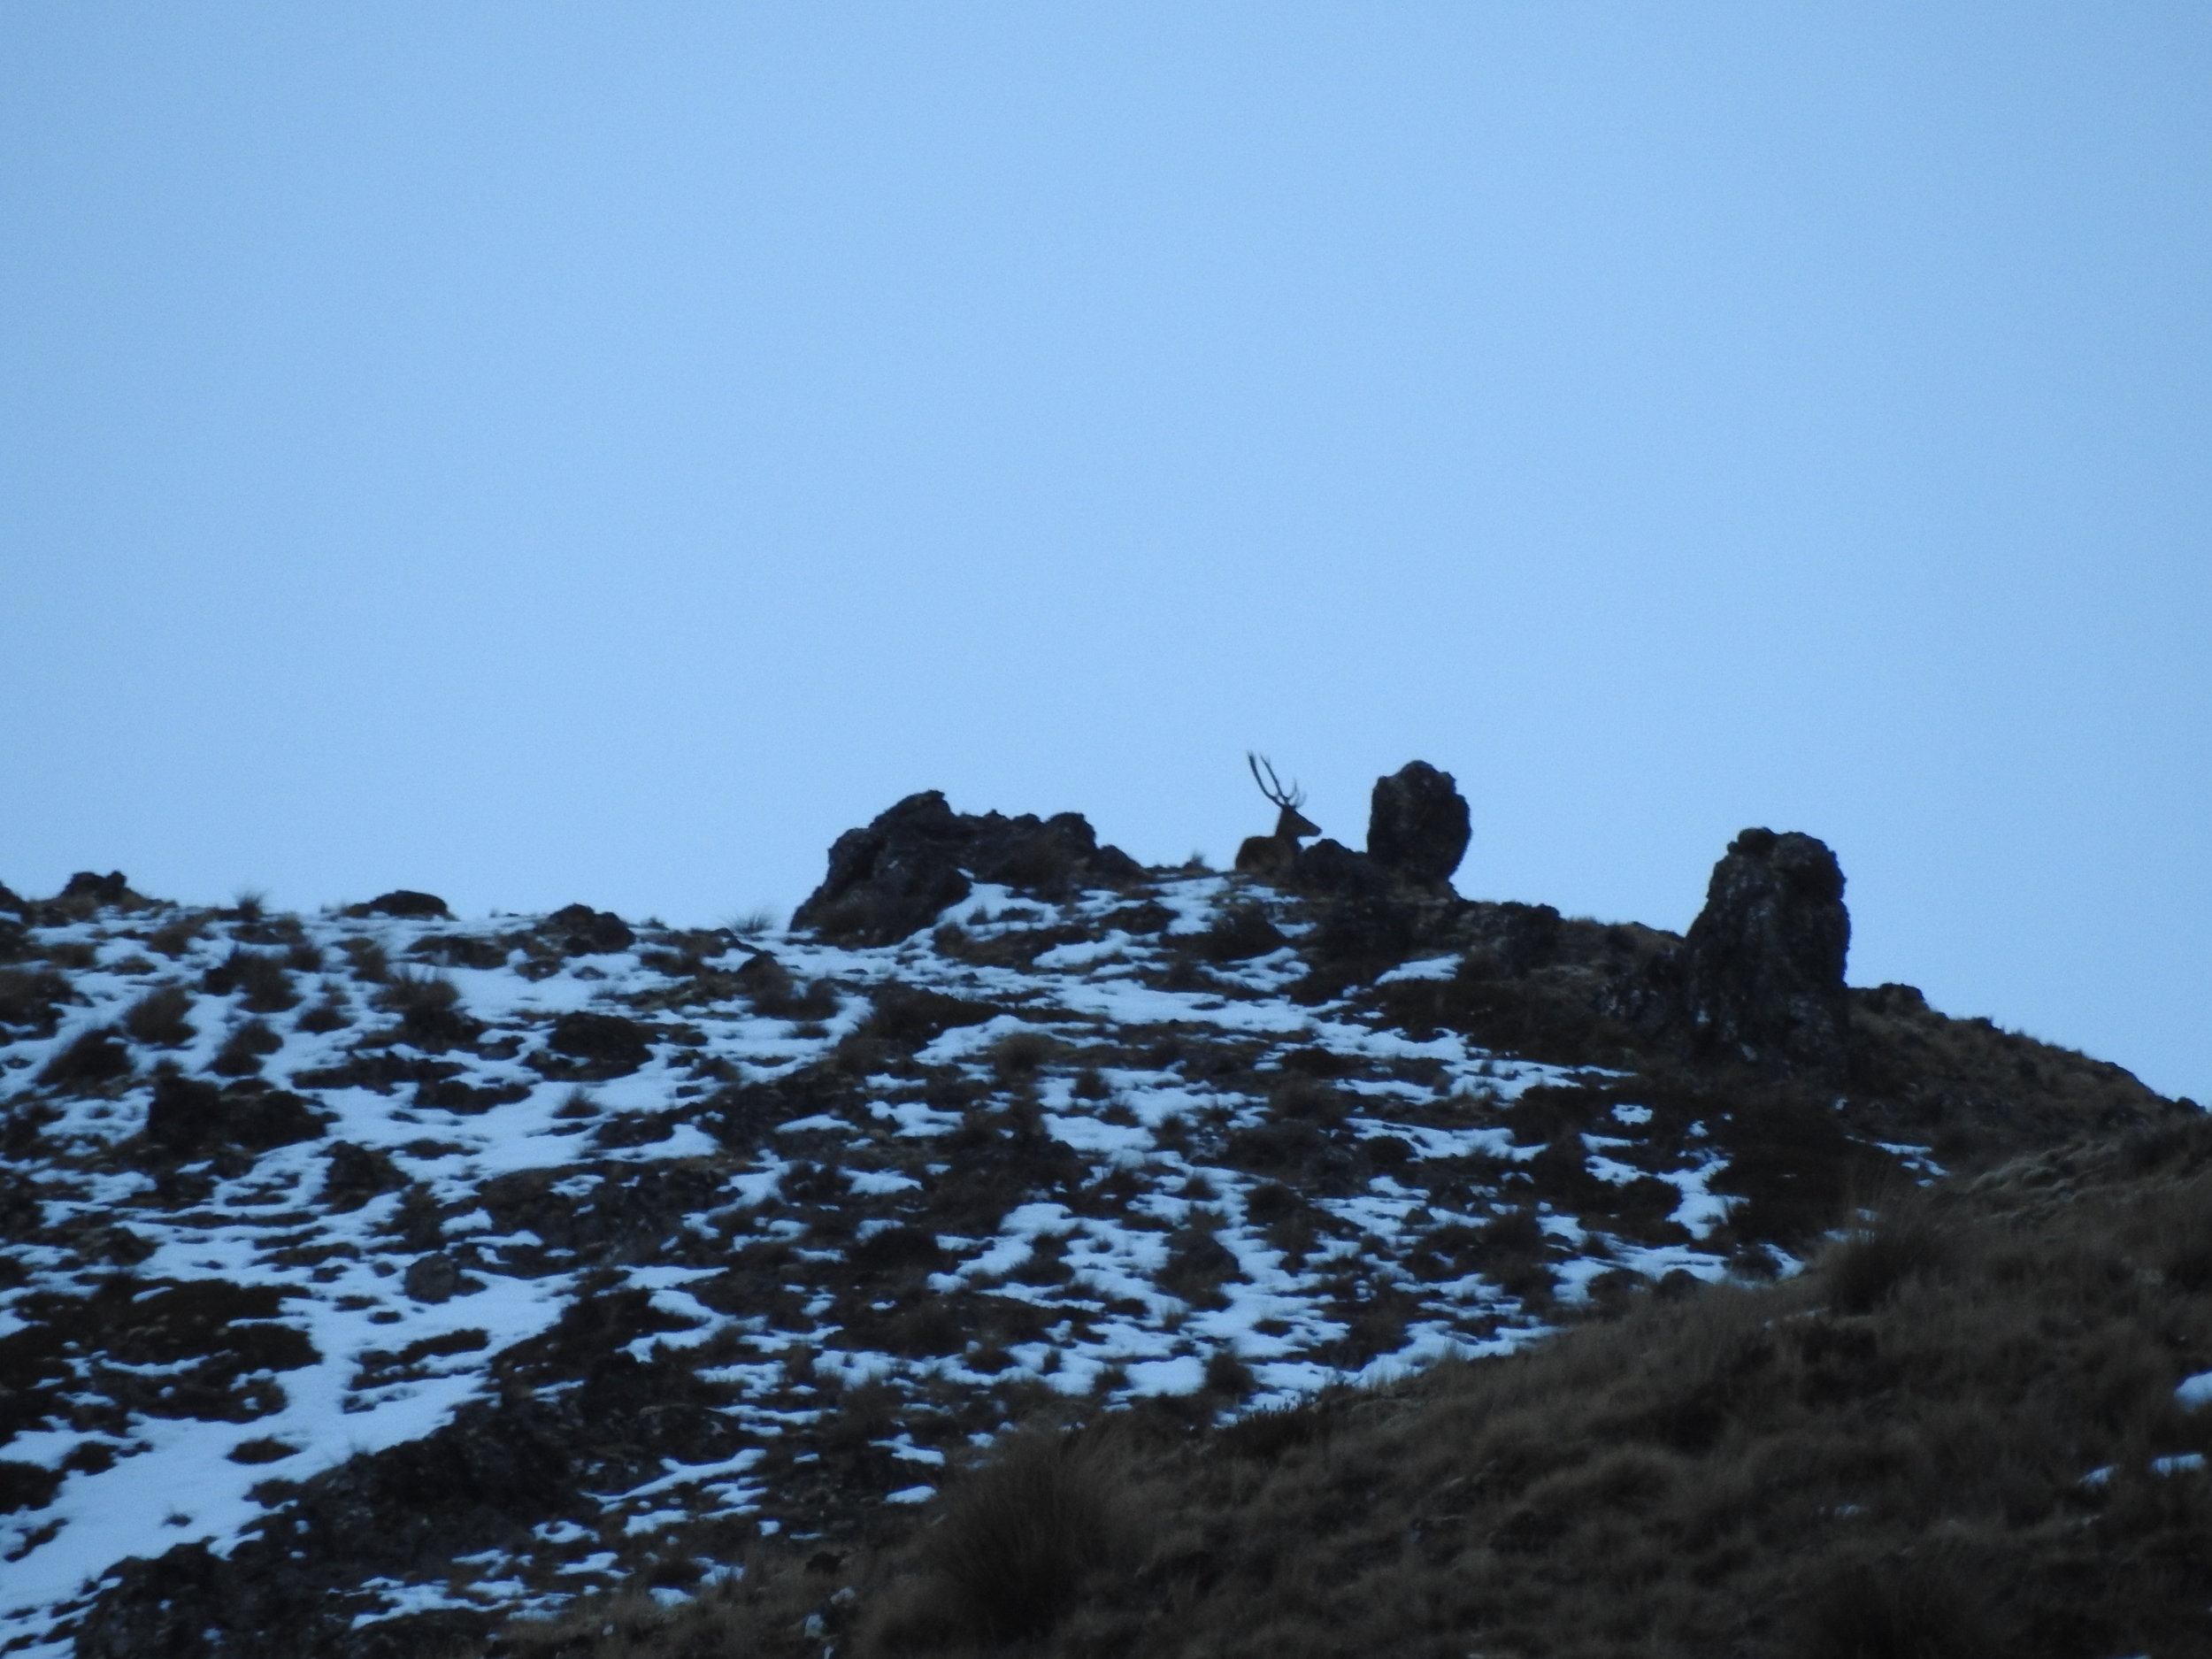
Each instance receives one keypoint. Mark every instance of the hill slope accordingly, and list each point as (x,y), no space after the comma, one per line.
(370,1278)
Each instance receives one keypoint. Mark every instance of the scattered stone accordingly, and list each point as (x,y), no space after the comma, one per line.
(1417,824)
(1762,964)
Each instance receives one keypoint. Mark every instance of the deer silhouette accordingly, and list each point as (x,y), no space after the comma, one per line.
(1273,855)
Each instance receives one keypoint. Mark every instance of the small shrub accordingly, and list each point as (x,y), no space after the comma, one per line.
(1019,1539)
(1899,1239)
(1304,1099)
(428,1006)
(173,938)
(157,1020)
(330,1014)
(32,1000)
(1019,1053)
(242,1054)
(266,988)
(371,965)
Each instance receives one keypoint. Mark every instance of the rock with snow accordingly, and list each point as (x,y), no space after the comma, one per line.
(918,858)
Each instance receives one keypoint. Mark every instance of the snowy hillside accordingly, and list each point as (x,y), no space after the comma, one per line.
(369,1276)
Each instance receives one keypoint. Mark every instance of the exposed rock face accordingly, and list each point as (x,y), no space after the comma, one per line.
(897,874)
(1417,824)
(1762,964)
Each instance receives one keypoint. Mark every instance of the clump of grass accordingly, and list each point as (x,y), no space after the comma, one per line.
(331,1013)
(158,1018)
(265,987)
(428,1006)
(371,965)
(243,1051)
(174,937)
(753,924)
(1894,1239)
(96,1059)
(1019,1539)
(1020,1054)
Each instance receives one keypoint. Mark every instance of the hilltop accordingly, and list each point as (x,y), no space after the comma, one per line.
(371,1280)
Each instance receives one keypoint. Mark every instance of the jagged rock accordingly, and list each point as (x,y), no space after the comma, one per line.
(402,901)
(111,888)
(1761,968)
(1330,867)
(1417,824)
(903,869)
(581,930)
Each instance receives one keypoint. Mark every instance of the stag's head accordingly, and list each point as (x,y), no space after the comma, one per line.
(1290,825)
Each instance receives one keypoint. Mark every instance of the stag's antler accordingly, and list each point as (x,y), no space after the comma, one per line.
(1292,798)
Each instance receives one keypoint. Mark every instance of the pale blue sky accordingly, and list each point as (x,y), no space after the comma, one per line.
(538,452)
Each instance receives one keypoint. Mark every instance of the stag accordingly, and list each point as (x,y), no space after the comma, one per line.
(1273,855)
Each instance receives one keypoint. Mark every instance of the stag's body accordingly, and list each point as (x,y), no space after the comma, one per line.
(1274,854)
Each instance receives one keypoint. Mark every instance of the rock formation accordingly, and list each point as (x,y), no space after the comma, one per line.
(1417,825)
(903,869)
(1762,964)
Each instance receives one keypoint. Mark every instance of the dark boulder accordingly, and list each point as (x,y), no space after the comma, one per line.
(1761,969)
(10,900)
(1330,869)
(1417,824)
(91,886)
(608,1044)
(403,903)
(577,930)
(897,874)
(261,1119)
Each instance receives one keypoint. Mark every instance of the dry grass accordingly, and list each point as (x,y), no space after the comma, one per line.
(1882,1458)
(158,1018)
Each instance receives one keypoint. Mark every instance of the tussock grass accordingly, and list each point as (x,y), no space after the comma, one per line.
(1019,1540)
(158,1018)
(1887,1456)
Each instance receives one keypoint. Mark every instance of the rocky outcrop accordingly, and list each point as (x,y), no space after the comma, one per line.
(1761,969)
(402,901)
(1417,824)
(902,871)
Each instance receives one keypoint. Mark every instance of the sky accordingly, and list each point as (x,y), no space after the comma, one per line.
(554,452)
